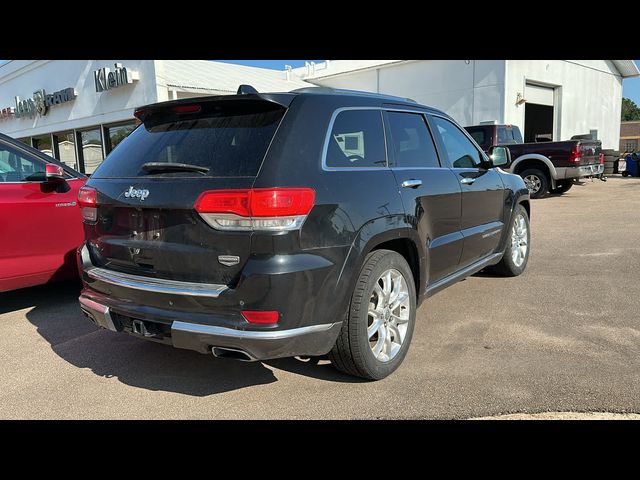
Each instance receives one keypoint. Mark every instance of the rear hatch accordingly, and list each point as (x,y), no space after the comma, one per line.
(146,222)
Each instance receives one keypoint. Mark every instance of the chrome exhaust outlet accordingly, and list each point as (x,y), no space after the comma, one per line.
(233,353)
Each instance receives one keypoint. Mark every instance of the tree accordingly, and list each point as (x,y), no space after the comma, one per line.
(630,111)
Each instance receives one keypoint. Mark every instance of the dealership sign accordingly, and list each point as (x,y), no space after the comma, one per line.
(105,79)
(38,104)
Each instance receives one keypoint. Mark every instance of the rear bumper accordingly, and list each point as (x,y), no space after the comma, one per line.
(258,345)
(579,171)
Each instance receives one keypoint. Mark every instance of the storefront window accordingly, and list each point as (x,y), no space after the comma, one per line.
(115,134)
(91,151)
(66,148)
(43,143)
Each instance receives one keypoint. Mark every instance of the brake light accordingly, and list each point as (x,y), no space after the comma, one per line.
(576,154)
(601,158)
(88,203)
(256,208)
(261,316)
(186,108)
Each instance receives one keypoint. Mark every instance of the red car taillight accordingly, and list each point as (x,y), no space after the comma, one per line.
(601,158)
(88,203)
(576,154)
(256,208)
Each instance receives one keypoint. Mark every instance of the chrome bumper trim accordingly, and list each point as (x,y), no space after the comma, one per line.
(263,335)
(157,285)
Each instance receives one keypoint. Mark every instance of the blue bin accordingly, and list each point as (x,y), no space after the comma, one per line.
(632,165)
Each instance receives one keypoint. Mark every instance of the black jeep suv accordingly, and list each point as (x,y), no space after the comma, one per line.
(264,225)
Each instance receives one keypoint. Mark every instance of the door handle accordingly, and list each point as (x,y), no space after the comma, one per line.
(467,180)
(411,183)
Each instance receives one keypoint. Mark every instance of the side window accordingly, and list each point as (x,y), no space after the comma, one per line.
(458,149)
(410,141)
(479,136)
(357,140)
(15,167)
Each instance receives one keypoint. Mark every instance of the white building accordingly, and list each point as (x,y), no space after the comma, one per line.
(79,110)
(556,98)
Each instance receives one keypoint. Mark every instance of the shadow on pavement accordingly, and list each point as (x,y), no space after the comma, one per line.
(140,363)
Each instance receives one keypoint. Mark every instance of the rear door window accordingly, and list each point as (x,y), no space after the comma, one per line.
(506,136)
(409,142)
(356,140)
(229,139)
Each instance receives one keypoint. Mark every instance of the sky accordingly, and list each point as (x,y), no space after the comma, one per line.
(274,64)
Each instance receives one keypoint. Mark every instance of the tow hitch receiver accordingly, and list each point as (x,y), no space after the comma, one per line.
(137,327)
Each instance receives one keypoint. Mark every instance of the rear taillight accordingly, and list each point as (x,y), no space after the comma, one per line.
(263,317)
(576,154)
(601,158)
(256,208)
(88,203)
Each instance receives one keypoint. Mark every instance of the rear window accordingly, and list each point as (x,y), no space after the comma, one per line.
(228,138)
(479,136)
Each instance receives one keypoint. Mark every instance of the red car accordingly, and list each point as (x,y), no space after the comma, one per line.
(40,222)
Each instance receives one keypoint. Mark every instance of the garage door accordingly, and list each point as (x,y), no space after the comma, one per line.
(539,95)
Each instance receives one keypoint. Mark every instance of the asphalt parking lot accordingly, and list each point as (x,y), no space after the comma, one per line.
(564,336)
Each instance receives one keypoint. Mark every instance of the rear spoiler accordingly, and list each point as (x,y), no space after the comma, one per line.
(245,93)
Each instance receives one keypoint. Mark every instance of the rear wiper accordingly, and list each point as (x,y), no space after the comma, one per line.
(151,167)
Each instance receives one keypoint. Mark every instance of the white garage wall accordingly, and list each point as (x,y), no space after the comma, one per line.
(88,108)
(589,97)
(469,92)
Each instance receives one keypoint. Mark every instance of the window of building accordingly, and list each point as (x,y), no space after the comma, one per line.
(114,134)
(90,152)
(43,143)
(630,145)
(14,167)
(410,142)
(65,148)
(458,149)
(357,140)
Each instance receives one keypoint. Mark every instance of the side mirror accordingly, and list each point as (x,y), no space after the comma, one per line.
(54,173)
(499,156)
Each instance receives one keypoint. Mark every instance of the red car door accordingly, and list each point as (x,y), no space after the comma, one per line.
(40,223)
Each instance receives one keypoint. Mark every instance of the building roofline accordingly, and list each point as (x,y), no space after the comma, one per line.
(627,68)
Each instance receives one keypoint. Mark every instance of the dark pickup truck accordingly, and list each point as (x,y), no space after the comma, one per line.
(544,166)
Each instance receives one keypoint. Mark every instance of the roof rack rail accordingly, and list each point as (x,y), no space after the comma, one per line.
(351,92)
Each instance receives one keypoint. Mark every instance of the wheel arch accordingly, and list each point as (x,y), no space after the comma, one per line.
(534,160)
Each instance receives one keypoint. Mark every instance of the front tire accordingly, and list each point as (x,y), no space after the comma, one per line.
(516,255)
(537,182)
(376,334)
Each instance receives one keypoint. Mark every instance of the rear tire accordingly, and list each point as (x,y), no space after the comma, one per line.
(537,182)
(562,187)
(512,263)
(360,347)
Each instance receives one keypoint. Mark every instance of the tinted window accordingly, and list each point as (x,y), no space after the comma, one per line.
(16,167)
(410,141)
(357,140)
(229,138)
(458,148)
(479,136)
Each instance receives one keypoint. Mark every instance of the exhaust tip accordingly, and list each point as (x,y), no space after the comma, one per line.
(235,354)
